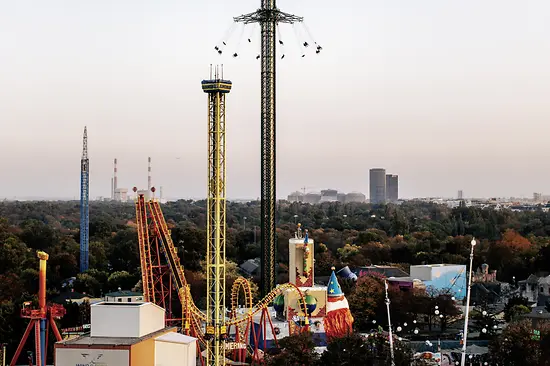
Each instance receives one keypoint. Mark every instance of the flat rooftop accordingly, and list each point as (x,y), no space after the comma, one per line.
(438,265)
(87,340)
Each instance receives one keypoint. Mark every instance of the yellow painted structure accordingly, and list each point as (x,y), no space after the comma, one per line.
(216,207)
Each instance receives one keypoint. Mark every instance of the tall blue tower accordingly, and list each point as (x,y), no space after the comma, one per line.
(84,211)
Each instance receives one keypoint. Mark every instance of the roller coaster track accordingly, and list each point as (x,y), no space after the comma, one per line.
(192,316)
(144,251)
(172,256)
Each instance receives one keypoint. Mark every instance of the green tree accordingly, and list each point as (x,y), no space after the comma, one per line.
(513,301)
(87,284)
(372,350)
(122,280)
(517,310)
(295,350)
(348,350)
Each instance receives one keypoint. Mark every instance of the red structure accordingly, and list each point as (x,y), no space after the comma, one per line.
(40,319)
(156,277)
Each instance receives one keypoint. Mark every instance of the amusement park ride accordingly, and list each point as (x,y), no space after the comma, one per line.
(40,319)
(240,332)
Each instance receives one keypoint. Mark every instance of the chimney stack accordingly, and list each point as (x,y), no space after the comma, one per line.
(115,183)
(149,174)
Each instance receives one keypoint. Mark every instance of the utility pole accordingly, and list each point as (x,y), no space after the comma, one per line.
(3,354)
(268,16)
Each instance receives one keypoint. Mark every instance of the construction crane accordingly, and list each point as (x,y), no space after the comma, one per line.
(41,319)
(84,201)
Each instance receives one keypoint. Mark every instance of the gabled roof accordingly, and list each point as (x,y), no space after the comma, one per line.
(250,266)
(532,279)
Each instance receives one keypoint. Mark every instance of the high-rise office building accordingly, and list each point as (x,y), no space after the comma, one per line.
(377,185)
(392,188)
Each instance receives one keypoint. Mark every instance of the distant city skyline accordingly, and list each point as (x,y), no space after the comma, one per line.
(451,95)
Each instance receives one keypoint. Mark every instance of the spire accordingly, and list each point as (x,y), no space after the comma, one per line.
(333,288)
(85,144)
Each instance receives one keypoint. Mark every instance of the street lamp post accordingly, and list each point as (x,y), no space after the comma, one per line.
(463,358)
(244,223)
(389,324)
(295,219)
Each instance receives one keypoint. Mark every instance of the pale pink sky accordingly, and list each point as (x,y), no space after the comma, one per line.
(448,94)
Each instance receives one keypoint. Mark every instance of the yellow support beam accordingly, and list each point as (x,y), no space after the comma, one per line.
(216,220)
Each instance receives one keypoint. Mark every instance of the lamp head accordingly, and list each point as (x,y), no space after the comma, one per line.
(473,242)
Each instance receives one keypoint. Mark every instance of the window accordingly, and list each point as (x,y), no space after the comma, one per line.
(129,299)
(119,300)
(541,290)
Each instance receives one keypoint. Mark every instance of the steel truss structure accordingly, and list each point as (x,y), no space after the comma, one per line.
(84,202)
(215,227)
(268,16)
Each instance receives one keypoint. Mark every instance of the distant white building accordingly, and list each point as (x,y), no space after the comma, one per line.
(121,194)
(124,296)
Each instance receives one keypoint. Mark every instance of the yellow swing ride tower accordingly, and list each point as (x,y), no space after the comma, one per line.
(216,333)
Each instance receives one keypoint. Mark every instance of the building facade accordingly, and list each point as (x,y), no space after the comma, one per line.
(392,188)
(124,296)
(535,289)
(127,334)
(444,278)
(377,185)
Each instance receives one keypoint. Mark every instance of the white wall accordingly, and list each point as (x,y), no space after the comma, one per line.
(86,356)
(175,354)
(114,321)
(125,320)
(423,273)
(151,319)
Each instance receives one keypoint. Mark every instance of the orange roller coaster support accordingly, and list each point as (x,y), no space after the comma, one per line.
(144,250)
(40,319)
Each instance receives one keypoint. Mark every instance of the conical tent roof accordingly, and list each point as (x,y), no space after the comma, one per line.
(333,287)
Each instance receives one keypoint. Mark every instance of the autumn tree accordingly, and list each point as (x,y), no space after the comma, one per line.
(515,241)
(365,300)
(520,345)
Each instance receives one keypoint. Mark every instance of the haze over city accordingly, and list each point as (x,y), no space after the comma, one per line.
(449,95)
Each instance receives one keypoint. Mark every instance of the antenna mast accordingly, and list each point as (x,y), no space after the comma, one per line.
(84,201)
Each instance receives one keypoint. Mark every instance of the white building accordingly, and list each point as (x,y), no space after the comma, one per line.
(446,278)
(124,296)
(127,334)
(121,194)
(535,289)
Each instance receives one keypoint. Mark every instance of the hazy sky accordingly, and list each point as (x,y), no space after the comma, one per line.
(450,95)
